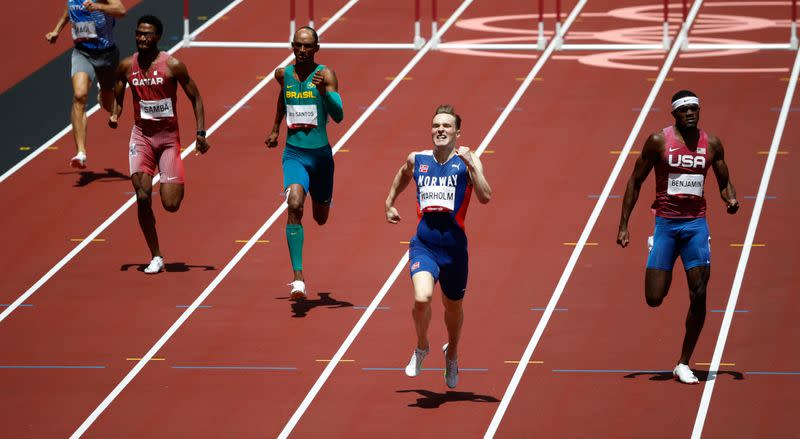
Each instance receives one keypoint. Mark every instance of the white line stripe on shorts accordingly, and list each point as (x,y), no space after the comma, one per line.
(537,334)
(708,389)
(96,107)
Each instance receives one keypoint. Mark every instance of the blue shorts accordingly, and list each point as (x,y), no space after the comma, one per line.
(685,236)
(310,168)
(449,266)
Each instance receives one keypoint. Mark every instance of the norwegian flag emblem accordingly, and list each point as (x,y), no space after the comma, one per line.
(423,168)
(415,265)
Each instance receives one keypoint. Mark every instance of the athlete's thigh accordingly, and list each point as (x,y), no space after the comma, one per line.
(423,283)
(422,260)
(142,182)
(664,250)
(321,176)
(170,164)
(105,67)
(454,273)
(696,244)
(81,63)
(141,154)
(294,168)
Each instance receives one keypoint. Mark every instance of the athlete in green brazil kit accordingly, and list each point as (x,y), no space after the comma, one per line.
(309,94)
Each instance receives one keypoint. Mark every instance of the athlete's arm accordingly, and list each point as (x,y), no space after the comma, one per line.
(482,189)
(328,86)
(52,36)
(181,73)
(651,154)
(114,8)
(726,189)
(280,111)
(123,69)
(404,176)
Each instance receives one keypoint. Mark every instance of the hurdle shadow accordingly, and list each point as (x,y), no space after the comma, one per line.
(701,375)
(169,267)
(301,308)
(87,177)
(431,400)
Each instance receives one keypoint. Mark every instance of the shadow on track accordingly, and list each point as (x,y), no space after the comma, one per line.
(701,375)
(169,267)
(300,308)
(432,400)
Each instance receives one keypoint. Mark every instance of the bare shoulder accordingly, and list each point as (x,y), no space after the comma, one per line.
(280,72)
(174,63)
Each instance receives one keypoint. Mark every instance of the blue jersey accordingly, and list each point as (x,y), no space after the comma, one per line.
(443,192)
(90,30)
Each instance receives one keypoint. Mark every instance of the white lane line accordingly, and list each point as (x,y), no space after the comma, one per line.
(587,230)
(102,227)
(404,260)
(708,389)
(96,107)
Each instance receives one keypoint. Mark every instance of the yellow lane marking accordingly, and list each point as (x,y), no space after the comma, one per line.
(535,78)
(575,243)
(709,364)
(392,78)
(344,150)
(260,241)
(81,240)
(404,242)
(488,151)
(654,79)
(24,148)
(53,148)
(260,77)
(767,152)
(753,245)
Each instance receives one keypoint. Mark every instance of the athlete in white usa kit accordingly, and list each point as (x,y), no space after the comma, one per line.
(681,155)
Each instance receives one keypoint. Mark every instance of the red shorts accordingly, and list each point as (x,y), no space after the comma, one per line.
(162,149)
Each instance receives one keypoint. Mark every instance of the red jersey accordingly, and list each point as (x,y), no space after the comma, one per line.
(680,177)
(154,95)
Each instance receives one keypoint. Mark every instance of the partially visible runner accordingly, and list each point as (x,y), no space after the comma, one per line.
(309,94)
(445,178)
(155,139)
(95,55)
(681,155)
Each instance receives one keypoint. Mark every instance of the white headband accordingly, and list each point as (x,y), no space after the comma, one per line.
(688,100)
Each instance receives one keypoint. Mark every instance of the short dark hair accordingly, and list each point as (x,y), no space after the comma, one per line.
(448,109)
(682,94)
(310,29)
(152,19)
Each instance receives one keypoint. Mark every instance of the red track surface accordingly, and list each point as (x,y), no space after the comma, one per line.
(549,157)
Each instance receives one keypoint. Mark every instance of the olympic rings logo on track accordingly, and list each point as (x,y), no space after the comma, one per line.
(708,28)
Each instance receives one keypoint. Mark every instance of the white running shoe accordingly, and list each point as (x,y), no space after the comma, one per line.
(684,374)
(298,290)
(450,370)
(414,366)
(156,265)
(79,161)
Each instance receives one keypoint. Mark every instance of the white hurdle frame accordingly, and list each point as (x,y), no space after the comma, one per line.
(418,41)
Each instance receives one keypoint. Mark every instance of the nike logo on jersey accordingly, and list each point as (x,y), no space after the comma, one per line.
(171,178)
(289,86)
(674,149)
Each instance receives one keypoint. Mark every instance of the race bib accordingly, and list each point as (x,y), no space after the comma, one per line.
(437,198)
(83,31)
(685,184)
(301,116)
(152,110)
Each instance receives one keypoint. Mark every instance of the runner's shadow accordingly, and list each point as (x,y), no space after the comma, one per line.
(300,308)
(170,267)
(701,375)
(433,400)
(87,177)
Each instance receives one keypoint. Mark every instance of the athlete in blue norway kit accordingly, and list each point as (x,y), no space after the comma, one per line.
(445,178)
(309,94)
(95,55)
(681,156)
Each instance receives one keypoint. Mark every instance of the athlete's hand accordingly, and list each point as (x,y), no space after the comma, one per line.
(51,37)
(202,145)
(732,206)
(623,238)
(272,140)
(319,80)
(392,215)
(91,6)
(466,156)
(112,121)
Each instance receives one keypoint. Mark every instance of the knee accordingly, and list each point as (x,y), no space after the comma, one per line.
(295,207)
(321,219)
(80,97)
(697,299)
(171,206)
(143,198)
(422,305)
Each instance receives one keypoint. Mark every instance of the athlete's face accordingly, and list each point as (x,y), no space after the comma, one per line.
(443,130)
(146,37)
(304,46)
(687,116)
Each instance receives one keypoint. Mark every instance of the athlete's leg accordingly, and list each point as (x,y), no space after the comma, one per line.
(295,199)
(143,185)
(81,81)
(421,313)
(171,196)
(172,174)
(656,285)
(321,184)
(453,319)
(697,279)
(321,212)
(660,260)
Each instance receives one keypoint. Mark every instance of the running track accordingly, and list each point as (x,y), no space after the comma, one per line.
(547,163)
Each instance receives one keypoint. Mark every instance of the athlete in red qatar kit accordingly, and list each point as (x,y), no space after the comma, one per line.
(155,139)
(681,156)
